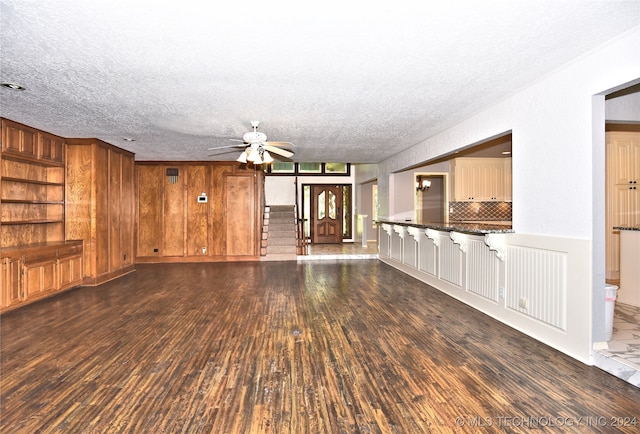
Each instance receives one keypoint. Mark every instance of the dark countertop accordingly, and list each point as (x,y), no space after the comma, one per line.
(627,228)
(463,227)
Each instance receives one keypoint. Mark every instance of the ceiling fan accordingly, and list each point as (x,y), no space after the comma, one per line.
(257,147)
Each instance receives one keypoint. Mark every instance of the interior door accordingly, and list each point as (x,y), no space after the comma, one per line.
(326,214)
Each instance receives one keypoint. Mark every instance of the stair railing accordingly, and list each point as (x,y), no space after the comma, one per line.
(301,238)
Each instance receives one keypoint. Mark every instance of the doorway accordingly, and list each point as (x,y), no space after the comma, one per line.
(430,203)
(326,214)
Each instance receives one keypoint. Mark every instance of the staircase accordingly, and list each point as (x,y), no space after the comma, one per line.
(279,234)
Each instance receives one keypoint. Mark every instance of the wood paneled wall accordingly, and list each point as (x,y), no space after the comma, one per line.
(99,206)
(173,226)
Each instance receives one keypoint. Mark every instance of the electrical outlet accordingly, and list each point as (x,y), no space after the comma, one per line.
(523,303)
(501,292)
(204,250)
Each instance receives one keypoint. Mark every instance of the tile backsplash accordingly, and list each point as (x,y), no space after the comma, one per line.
(479,211)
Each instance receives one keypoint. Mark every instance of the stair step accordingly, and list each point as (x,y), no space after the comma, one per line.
(286,233)
(281,242)
(280,208)
(280,257)
(282,227)
(281,249)
(290,221)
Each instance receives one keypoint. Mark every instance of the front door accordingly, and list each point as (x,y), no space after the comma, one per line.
(326,214)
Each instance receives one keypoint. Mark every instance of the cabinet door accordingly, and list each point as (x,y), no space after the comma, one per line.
(17,138)
(70,271)
(626,153)
(39,279)
(467,179)
(50,147)
(627,205)
(11,284)
(507,180)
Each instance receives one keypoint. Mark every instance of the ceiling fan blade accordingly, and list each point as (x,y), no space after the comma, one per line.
(278,151)
(280,144)
(237,140)
(213,154)
(227,146)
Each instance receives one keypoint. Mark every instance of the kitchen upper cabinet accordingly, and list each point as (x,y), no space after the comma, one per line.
(626,157)
(622,192)
(481,179)
(100,207)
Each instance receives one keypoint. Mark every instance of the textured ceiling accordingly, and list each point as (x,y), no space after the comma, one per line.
(344,81)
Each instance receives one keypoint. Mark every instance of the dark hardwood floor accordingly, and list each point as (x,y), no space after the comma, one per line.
(282,347)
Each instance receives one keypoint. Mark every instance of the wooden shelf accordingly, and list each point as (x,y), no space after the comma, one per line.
(20,157)
(31,181)
(33,202)
(32,222)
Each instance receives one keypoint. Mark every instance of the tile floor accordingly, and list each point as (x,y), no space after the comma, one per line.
(621,358)
(334,252)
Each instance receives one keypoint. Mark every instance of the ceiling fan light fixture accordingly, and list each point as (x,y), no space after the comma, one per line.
(266,157)
(254,156)
(242,158)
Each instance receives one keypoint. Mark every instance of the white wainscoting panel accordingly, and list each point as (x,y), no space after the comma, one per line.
(397,236)
(410,247)
(450,261)
(384,241)
(536,284)
(482,269)
(428,254)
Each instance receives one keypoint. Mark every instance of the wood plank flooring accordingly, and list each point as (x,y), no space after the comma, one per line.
(283,347)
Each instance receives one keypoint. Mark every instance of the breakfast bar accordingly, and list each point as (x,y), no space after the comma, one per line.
(436,249)
(530,282)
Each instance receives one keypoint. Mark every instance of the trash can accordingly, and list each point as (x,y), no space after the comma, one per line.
(611,293)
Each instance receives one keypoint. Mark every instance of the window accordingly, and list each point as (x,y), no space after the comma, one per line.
(316,169)
(335,168)
(287,167)
(309,168)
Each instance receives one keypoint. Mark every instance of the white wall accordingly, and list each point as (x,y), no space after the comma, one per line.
(558,159)
(551,123)
(624,108)
(279,190)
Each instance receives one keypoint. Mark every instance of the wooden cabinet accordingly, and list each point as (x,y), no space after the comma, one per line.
(18,139)
(39,270)
(622,192)
(36,260)
(11,289)
(481,179)
(99,207)
(32,186)
(173,225)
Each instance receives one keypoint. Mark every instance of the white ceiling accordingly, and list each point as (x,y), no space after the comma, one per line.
(345,81)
